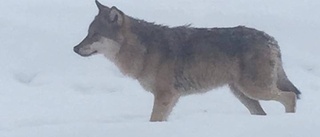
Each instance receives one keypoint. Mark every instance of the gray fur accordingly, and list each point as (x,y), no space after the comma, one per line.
(172,62)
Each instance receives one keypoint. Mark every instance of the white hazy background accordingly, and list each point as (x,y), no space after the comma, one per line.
(46,90)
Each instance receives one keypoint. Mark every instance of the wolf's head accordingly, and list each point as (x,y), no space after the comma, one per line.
(104,34)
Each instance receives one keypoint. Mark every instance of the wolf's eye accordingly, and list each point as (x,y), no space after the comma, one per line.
(95,36)
(92,35)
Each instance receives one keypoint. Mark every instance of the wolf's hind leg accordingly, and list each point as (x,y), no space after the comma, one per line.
(163,105)
(288,99)
(252,105)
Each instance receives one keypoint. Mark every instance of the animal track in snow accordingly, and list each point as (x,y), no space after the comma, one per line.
(25,78)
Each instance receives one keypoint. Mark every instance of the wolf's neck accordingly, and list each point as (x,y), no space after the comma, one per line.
(147,31)
(130,58)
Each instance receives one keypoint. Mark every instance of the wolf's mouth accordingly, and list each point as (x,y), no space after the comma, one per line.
(94,52)
(87,55)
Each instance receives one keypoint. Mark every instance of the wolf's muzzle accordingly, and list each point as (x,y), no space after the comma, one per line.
(76,49)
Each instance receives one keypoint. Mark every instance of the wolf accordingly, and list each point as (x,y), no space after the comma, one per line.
(171,62)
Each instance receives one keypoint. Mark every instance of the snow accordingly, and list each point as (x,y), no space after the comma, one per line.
(46,90)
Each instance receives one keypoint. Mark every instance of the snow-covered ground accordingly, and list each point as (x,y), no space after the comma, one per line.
(46,90)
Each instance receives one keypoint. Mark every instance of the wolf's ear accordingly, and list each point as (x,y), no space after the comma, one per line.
(116,16)
(100,6)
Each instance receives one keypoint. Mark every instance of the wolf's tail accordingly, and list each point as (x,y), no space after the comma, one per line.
(285,84)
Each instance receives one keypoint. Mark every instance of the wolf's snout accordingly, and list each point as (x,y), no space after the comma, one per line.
(76,49)
(83,51)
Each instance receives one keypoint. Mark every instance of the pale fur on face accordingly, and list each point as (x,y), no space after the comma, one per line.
(108,47)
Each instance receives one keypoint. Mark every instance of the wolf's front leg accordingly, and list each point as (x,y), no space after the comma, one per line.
(164,102)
